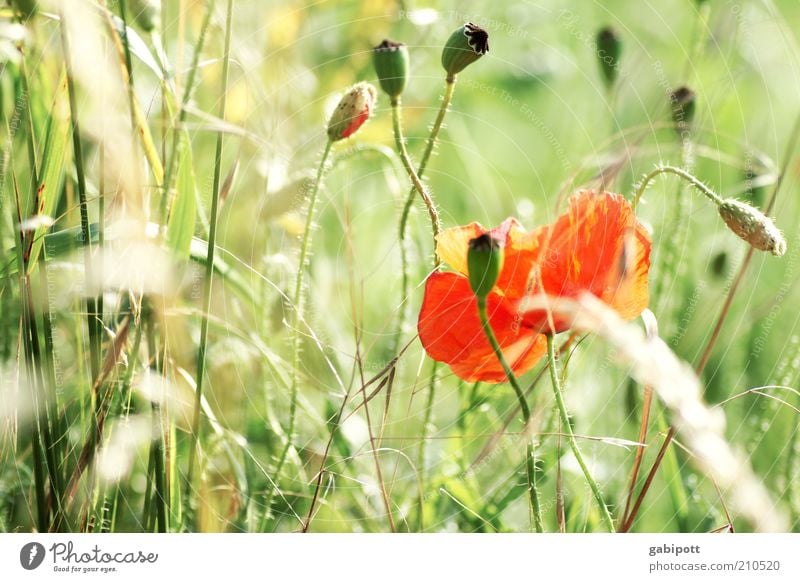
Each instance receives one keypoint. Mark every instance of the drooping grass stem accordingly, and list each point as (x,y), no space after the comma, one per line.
(212,241)
(536,512)
(297,316)
(573,443)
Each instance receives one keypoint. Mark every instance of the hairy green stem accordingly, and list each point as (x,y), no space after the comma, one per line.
(423,164)
(418,187)
(297,316)
(400,143)
(670,269)
(573,443)
(536,512)
(709,193)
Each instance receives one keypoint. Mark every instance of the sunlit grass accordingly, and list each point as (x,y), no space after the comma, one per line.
(179,353)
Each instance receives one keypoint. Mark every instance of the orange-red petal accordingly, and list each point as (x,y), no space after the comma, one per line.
(451,332)
(519,251)
(597,246)
(358,120)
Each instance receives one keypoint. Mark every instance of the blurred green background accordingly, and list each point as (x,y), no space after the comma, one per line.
(530,123)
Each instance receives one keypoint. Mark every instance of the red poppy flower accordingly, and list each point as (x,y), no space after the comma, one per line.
(597,246)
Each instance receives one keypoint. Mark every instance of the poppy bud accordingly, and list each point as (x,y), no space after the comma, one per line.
(465,46)
(683,102)
(753,226)
(353,110)
(391,65)
(609,48)
(146,13)
(484,263)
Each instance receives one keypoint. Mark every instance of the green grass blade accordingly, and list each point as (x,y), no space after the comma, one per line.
(51,177)
(182,218)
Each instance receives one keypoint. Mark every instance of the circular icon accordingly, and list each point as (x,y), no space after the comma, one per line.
(31,555)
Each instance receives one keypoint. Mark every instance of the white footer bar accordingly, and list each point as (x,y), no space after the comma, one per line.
(401,557)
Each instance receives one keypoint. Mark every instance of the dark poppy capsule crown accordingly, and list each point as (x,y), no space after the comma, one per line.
(465,46)
(391,63)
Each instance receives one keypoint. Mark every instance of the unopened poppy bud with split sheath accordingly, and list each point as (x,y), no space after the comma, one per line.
(354,108)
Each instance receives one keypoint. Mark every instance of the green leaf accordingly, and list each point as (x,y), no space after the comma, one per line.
(182,218)
(51,176)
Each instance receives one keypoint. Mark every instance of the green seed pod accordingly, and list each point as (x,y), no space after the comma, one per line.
(484,263)
(27,8)
(753,226)
(609,49)
(683,104)
(146,13)
(391,65)
(465,46)
(354,109)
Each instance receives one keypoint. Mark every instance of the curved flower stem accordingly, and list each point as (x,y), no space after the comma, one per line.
(412,174)
(562,409)
(450,86)
(536,512)
(670,269)
(709,193)
(435,228)
(297,315)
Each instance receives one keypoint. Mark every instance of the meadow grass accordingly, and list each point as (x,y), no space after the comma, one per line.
(179,353)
